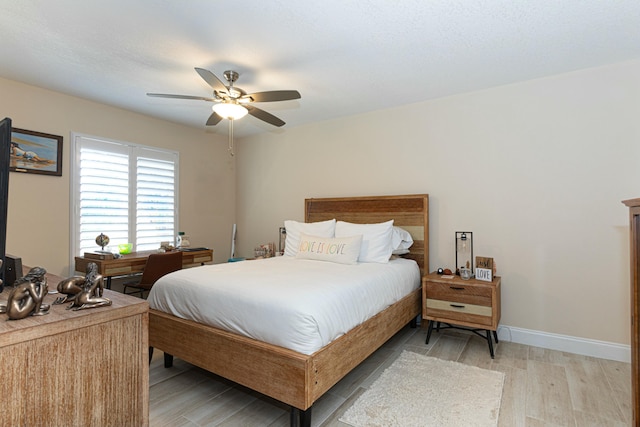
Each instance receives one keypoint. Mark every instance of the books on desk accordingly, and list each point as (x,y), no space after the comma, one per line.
(98,255)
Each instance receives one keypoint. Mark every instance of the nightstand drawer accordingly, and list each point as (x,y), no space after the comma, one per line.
(457,307)
(452,311)
(476,295)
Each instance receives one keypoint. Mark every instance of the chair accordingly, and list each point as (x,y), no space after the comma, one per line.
(157,266)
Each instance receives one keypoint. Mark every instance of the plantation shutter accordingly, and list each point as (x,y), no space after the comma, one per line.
(103,194)
(155,204)
(123,190)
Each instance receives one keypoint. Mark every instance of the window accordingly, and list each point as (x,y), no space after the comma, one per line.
(124,190)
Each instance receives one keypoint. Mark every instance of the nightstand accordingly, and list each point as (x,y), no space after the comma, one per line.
(471,305)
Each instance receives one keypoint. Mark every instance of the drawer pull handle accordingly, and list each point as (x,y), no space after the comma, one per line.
(456,288)
(456,305)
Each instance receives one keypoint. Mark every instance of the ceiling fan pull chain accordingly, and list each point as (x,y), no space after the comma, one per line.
(231,137)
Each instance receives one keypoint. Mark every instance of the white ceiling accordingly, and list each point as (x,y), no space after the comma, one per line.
(345,57)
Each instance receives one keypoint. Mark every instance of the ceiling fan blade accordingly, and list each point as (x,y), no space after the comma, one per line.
(264,116)
(166,95)
(211,79)
(213,119)
(275,95)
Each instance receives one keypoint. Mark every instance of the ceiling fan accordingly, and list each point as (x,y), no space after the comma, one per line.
(231,102)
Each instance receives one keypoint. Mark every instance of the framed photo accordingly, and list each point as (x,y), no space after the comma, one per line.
(35,152)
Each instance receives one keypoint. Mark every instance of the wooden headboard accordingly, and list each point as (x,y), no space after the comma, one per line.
(410,212)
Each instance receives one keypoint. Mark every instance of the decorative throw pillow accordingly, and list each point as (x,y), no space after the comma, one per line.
(343,250)
(295,229)
(376,239)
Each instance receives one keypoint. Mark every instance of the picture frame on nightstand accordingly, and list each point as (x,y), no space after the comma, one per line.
(485,269)
(484,274)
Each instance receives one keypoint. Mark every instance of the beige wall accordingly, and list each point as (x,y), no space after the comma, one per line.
(38,225)
(536,170)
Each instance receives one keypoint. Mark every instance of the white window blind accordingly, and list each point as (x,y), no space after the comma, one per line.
(124,190)
(155,202)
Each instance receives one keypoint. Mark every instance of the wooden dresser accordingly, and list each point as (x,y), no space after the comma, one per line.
(76,368)
(634,229)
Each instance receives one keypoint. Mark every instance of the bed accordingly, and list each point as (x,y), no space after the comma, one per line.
(294,377)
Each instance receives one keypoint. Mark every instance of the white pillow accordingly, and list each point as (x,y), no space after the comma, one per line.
(400,252)
(295,229)
(343,250)
(376,239)
(401,241)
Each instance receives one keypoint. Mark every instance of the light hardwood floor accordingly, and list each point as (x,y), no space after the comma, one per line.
(542,387)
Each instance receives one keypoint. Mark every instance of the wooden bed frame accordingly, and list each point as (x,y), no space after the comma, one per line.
(294,378)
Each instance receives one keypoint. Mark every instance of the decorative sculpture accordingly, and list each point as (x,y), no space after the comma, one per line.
(27,295)
(70,288)
(83,292)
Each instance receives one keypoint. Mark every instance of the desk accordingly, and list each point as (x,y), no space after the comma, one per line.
(134,263)
(76,368)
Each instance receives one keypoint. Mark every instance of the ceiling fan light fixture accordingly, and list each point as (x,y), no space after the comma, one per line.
(230,110)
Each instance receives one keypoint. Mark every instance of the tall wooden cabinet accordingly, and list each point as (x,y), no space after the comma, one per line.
(634,228)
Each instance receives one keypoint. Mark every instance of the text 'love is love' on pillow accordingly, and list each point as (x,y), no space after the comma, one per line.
(343,250)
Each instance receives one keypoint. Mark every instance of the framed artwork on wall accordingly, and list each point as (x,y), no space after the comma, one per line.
(35,152)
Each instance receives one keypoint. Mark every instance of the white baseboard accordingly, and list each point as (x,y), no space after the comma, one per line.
(586,347)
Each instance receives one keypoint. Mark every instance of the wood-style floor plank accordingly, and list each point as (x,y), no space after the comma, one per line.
(585,375)
(618,377)
(514,396)
(542,387)
(548,396)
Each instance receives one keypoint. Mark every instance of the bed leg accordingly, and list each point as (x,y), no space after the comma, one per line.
(168,360)
(414,322)
(150,354)
(300,418)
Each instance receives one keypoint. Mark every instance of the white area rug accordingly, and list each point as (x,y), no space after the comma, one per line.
(422,391)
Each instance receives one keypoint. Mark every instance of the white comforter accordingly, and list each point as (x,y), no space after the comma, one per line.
(298,304)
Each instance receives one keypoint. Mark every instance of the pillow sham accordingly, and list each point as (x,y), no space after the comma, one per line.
(295,229)
(342,250)
(401,240)
(376,239)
